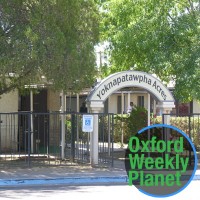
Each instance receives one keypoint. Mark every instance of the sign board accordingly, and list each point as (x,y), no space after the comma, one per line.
(125,79)
(87,125)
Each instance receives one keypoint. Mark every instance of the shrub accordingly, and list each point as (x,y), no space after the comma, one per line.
(131,124)
(120,127)
(137,120)
(190,126)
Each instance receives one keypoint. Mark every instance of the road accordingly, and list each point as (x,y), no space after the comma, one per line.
(91,192)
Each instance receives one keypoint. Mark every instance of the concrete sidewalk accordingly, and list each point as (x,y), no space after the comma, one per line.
(68,175)
(71,174)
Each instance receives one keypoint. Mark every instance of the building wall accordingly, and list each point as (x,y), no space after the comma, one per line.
(134,99)
(53,101)
(9,102)
(196,107)
(9,122)
(112,104)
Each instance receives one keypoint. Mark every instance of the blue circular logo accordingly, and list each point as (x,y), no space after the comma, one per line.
(160,160)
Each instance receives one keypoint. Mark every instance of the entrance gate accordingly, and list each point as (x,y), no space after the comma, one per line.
(114,82)
(40,145)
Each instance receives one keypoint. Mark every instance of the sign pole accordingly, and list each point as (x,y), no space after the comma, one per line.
(62,126)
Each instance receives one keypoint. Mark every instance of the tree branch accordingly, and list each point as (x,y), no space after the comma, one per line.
(191,5)
(13,85)
(192,8)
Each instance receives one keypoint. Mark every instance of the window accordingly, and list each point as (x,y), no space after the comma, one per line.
(140,101)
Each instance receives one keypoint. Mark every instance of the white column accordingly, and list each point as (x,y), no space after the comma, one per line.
(122,108)
(77,102)
(161,111)
(129,98)
(94,150)
(95,107)
(149,108)
(154,107)
(62,125)
(165,107)
(122,100)
(31,109)
(108,104)
(160,106)
(167,121)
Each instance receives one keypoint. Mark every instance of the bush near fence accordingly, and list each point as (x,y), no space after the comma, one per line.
(129,124)
(192,128)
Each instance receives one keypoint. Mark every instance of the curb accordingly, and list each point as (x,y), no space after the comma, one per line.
(66,181)
(70,181)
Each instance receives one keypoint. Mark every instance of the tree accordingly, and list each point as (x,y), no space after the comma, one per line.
(156,36)
(51,38)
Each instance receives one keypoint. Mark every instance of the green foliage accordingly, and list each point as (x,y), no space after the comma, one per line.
(121,128)
(132,124)
(129,125)
(137,119)
(48,38)
(161,37)
(191,128)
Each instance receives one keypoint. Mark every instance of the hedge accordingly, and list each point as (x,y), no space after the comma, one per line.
(124,123)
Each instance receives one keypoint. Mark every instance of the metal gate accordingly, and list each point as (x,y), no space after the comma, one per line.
(190,124)
(35,139)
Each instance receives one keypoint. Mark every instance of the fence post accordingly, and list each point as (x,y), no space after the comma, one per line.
(0,130)
(109,134)
(112,139)
(166,131)
(31,109)
(95,107)
(122,123)
(73,137)
(94,141)
(190,157)
(77,131)
(29,138)
(63,126)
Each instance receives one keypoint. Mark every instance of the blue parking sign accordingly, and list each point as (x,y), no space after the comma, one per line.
(87,122)
(87,125)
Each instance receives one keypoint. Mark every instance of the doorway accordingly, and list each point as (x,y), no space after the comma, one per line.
(40,121)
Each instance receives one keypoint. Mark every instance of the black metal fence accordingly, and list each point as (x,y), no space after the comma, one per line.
(28,139)
(190,124)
